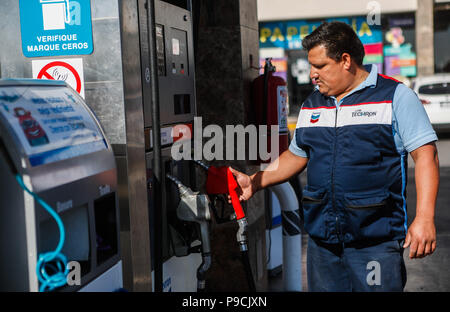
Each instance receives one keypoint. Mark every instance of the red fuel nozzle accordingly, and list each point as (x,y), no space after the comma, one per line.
(232,186)
(221,181)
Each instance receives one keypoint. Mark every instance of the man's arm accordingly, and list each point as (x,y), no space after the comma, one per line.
(280,170)
(421,236)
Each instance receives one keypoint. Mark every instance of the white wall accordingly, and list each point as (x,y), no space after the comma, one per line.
(278,10)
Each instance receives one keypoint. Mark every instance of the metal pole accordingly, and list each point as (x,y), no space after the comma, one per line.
(130,158)
(156,162)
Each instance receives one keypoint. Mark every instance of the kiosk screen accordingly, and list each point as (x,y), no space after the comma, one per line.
(50,122)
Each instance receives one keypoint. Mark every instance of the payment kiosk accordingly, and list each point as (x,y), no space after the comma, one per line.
(53,153)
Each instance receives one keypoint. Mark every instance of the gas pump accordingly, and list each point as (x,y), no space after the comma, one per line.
(181,252)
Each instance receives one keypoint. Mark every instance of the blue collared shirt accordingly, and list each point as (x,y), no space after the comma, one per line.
(412,127)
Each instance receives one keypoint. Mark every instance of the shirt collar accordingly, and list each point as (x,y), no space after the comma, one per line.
(371,80)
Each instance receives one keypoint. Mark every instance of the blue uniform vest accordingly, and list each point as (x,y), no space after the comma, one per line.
(356,188)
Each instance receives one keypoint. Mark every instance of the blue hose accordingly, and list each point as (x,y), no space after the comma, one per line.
(59,277)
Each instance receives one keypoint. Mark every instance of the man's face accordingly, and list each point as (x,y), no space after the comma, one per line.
(328,74)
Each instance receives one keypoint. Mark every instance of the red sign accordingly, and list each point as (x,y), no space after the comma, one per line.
(44,72)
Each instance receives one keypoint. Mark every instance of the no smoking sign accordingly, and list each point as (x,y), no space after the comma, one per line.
(68,70)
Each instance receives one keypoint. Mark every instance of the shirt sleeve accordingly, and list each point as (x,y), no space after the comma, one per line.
(293,147)
(411,121)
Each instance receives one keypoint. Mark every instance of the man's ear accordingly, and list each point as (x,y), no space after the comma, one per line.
(346,60)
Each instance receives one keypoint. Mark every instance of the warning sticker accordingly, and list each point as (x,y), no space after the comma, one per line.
(68,70)
(282,99)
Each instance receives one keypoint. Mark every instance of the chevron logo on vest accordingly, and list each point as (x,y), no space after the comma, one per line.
(315,117)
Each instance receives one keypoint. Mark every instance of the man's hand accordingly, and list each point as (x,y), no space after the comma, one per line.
(421,238)
(246,188)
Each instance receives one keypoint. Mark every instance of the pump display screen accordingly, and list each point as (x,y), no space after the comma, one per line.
(50,122)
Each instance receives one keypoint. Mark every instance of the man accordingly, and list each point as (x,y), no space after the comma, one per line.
(354,133)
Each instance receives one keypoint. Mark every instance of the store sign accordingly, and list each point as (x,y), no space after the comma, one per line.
(289,34)
(56,27)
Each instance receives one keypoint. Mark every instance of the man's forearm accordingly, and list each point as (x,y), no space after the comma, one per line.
(421,235)
(427,182)
(282,169)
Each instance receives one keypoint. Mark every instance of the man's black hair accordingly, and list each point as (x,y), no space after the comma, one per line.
(337,38)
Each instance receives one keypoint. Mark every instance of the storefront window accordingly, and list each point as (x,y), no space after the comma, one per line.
(399,45)
(441,39)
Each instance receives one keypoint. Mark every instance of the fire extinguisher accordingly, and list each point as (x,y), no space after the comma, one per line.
(270,105)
